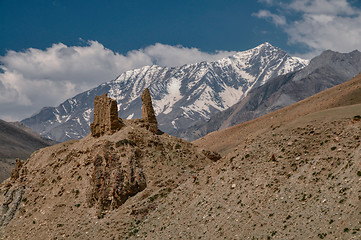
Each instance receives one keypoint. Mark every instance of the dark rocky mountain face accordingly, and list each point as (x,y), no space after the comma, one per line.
(181,95)
(324,71)
(16,142)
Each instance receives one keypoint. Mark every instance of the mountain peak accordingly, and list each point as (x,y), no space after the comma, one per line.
(265,44)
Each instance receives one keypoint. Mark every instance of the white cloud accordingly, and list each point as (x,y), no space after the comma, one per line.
(270,2)
(332,7)
(276,19)
(36,78)
(319,24)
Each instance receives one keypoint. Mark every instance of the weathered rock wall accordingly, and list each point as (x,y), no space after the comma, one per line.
(148,112)
(106,120)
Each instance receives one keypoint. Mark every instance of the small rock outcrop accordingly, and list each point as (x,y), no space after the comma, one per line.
(15,172)
(106,120)
(212,155)
(11,203)
(148,112)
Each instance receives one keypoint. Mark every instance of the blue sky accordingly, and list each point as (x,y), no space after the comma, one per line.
(50,50)
(127,25)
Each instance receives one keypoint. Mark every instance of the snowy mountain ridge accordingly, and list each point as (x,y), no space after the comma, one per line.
(180,95)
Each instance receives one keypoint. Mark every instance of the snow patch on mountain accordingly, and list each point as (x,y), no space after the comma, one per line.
(229,94)
(86,114)
(172,96)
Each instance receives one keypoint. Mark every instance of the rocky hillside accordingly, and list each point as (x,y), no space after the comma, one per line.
(324,71)
(108,180)
(15,143)
(296,180)
(181,95)
(292,174)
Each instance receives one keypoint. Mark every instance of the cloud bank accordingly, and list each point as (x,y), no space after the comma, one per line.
(34,78)
(317,24)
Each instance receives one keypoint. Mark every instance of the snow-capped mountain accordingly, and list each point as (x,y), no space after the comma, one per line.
(324,71)
(181,95)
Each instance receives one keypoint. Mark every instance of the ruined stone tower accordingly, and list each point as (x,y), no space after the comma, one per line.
(148,112)
(106,119)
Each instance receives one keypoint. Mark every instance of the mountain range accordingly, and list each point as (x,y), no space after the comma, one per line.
(324,71)
(181,95)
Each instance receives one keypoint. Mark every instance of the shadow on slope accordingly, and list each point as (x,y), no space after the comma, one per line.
(15,143)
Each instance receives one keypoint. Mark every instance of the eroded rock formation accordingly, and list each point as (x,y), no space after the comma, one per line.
(15,172)
(115,178)
(148,112)
(106,120)
(12,200)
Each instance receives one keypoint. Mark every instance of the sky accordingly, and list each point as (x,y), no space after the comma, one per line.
(51,50)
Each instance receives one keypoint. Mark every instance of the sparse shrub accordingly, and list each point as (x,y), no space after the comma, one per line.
(346,229)
(247,155)
(124,142)
(322,235)
(357,118)
(303,197)
(153,198)
(359,173)
(333,148)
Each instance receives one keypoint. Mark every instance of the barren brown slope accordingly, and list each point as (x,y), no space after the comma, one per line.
(95,188)
(341,95)
(300,180)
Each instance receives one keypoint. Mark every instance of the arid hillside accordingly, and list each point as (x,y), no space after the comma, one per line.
(297,180)
(224,141)
(97,187)
(292,174)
